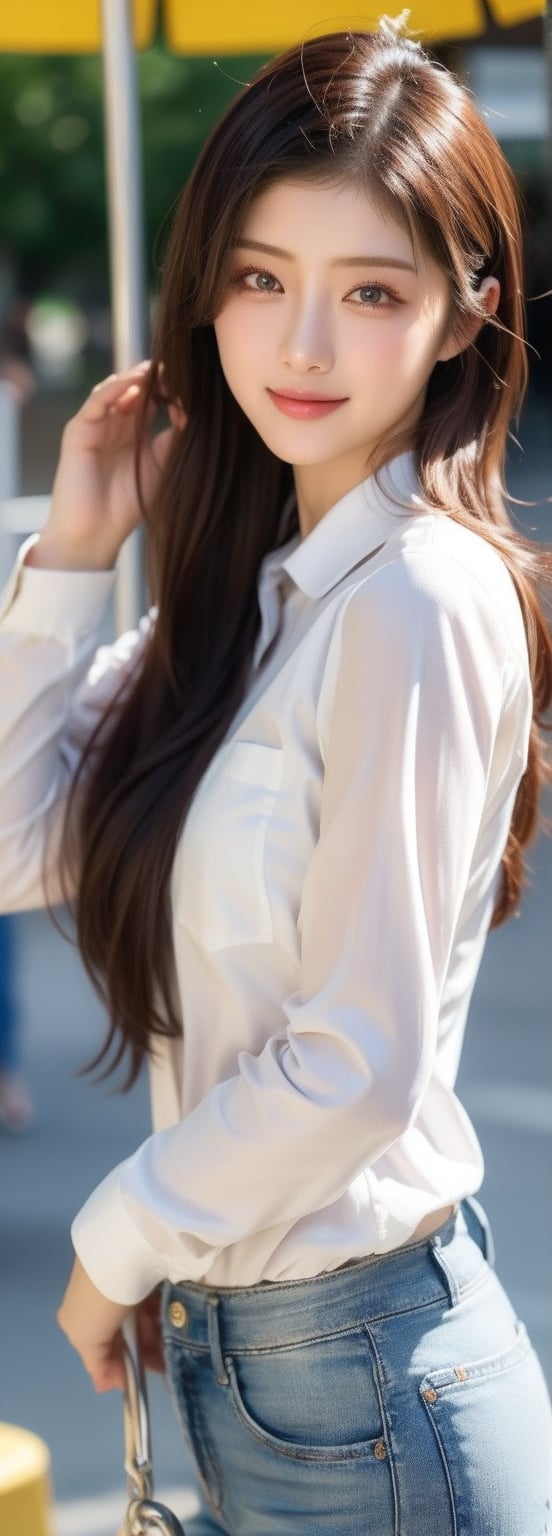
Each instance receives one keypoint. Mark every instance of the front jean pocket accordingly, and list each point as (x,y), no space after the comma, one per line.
(316,1401)
(491,1417)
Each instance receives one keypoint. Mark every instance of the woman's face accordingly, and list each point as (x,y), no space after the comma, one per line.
(342,308)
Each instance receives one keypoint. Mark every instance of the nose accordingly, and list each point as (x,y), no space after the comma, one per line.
(307,344)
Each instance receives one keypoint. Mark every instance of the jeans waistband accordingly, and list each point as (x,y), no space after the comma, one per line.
(267,1315)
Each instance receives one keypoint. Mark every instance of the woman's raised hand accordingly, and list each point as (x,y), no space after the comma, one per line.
(94,504)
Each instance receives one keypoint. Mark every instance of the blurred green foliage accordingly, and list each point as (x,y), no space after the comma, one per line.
(53,200)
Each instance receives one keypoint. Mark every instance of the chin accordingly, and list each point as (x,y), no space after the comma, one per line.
(286,445)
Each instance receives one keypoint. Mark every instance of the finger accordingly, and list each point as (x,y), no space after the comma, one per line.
(107,1368)
(109,391)
(109,1376)
(129,400)
(127,404)
(123,376)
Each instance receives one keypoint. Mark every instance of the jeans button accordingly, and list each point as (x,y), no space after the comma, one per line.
(178,1314)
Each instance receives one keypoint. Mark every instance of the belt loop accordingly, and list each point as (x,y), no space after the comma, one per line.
(450,1280)
(487,1240)
(213,1330)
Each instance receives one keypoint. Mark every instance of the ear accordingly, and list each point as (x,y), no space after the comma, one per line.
(456,341)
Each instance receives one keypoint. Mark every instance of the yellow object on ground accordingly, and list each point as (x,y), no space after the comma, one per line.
(25,1486)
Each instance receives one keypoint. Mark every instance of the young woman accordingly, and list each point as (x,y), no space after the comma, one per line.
(290,807)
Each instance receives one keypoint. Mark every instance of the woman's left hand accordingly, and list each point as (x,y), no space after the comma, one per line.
(92,1324)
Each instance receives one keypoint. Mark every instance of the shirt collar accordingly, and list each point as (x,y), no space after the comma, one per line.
(352,529)
(349,532)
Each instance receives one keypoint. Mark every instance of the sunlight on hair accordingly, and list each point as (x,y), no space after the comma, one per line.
(395,26)
(227,76)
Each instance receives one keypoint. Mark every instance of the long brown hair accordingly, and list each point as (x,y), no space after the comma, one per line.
(372,110)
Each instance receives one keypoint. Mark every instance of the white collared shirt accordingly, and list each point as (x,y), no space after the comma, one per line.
(331,892)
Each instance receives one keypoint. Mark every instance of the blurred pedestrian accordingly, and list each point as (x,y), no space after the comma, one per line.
(292,804)
(16,1105)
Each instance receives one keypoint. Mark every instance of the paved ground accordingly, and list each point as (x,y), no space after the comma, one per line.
(82,1131)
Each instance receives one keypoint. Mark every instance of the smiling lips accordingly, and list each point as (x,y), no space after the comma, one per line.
(303,406)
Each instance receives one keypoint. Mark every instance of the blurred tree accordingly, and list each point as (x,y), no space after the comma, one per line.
(52,172)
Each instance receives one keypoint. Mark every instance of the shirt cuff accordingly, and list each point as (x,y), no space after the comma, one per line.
(53,604)
(120,1262)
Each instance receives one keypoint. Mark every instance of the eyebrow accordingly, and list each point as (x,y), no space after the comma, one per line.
(339,261)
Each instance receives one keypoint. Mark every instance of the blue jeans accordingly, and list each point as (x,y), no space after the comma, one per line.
(397,1396)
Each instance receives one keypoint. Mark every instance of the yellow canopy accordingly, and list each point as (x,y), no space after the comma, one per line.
(236,26)
(245,26)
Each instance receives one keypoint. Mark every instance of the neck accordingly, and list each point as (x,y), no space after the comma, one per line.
(319,486)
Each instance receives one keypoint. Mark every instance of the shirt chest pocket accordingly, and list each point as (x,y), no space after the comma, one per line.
(220,889)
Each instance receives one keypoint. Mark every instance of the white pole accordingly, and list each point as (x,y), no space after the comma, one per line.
(126,236)
(9,472)
(9,441)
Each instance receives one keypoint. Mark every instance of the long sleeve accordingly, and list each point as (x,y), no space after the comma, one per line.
(55,683)
(419,676)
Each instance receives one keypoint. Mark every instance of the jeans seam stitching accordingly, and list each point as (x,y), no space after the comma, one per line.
(379,1384)
(445,1465)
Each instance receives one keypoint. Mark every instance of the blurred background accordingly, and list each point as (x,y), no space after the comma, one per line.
(59,1134)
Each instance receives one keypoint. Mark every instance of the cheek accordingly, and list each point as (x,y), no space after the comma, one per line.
(412,347)
(375,353)
(241,346)
(226,336)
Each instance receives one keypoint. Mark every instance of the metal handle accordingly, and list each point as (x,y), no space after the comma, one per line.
(144,1515)
(138,1464)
